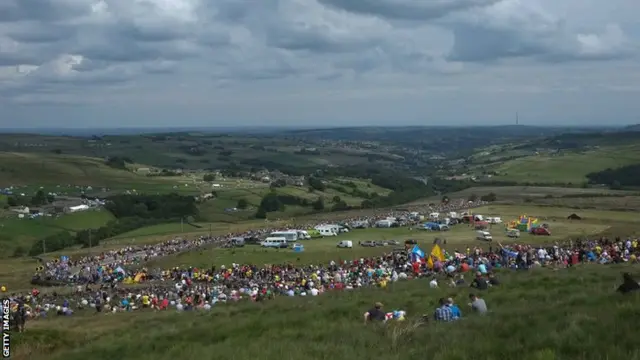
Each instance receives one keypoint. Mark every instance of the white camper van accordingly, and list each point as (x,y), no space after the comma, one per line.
(290,235)
(326,231)
(274,242)
(346,244)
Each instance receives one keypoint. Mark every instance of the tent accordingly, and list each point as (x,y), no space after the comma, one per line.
(298,248)
(574,217)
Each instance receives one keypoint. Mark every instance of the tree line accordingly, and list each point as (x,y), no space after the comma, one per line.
(625,176)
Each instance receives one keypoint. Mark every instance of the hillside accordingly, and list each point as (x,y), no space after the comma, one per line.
(564,312)
(62,173)
(555,166)
(205,151)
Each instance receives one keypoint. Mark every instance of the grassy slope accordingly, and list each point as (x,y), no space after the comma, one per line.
(23,232)
(567,167)
(56,172)
(142,149)
(536,315)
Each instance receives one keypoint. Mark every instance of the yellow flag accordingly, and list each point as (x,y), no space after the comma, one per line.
(437,254)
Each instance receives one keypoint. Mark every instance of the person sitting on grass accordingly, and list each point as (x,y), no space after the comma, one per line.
(628,284)
(479,282)
(455,310)
(375,314)
(477,304)
(493,280)
(443,313)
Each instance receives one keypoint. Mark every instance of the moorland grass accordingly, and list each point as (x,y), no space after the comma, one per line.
(537,314)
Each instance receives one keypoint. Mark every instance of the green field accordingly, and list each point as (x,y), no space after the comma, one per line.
(29,172)
(16,232)
(509,212)
(325,250)
(535,315)
(565,167)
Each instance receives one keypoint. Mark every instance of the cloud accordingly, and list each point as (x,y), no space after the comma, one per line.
(82,49)
(408,9)
(517,28)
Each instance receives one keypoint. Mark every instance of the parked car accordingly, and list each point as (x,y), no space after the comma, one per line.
(368,243)
(393,242)
(513,233)
(381,243)
(540,231)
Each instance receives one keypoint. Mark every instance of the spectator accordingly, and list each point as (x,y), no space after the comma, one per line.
(479,282)
(375,314)
(477,304)
(443,313)
(628,285)
(455,310)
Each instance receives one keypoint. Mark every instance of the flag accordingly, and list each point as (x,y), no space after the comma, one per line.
(436,255)
(416,253)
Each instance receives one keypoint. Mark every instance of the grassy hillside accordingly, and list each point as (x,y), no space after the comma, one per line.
(62,173)
(198,150)
(23,233)
(535,315)
(564,167)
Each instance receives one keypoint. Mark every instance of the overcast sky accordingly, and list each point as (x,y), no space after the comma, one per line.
(116,63)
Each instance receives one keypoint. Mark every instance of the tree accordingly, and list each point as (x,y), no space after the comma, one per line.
(336,199)
(242,204)
(261,214)
(209,177)
(317,184)
(445,199)
(339,206)
(12,201)
(489,197)
(473,197)
(318,204)
(39,199)
(615,185)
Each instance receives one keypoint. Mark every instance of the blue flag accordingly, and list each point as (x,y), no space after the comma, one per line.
(417,253)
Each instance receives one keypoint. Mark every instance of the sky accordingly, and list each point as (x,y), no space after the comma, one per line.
(221,63)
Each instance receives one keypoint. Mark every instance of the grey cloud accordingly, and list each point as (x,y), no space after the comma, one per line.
(33,32)
(42,10)
(513,30)
(408,9)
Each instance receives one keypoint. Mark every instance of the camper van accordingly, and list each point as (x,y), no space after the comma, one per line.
(345,244)
(289,235)
(274,242)
(327,232)
(484,235)
(303,235)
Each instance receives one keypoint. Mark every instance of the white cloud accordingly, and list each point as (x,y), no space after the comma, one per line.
(215,55)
